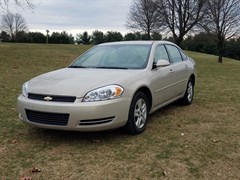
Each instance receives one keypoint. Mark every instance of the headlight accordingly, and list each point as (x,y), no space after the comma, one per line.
(104,93)
(25,89)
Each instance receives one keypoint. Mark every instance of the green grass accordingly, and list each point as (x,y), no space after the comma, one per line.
(201,141)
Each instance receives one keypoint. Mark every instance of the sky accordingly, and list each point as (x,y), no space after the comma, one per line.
(76,16)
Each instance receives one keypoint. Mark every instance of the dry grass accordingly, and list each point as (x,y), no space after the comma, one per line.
(201,141)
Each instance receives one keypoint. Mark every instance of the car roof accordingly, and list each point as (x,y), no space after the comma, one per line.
(136,42)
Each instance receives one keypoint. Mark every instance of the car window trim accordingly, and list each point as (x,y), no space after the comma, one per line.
(182,52)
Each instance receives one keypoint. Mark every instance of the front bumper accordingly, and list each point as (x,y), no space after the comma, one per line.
(82,115)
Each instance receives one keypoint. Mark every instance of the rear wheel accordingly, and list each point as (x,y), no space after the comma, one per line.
(188,96)
(138,114)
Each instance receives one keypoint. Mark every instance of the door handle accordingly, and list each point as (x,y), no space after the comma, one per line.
(171,71)
(186,66)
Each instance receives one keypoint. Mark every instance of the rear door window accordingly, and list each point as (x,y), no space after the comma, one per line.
(174,53)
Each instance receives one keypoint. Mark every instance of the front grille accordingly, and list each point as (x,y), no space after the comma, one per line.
(60,119)
(96,121)
(54,98)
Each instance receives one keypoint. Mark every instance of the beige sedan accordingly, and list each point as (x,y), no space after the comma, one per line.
(110,86)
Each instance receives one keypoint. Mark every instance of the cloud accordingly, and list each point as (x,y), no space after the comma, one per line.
(79,14)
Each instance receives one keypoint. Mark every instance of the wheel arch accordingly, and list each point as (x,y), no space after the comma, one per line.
(193,79)
(148,94)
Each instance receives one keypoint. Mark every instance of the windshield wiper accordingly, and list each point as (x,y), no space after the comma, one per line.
(104,67)
(76,67)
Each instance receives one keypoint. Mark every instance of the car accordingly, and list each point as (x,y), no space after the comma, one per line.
(112,85)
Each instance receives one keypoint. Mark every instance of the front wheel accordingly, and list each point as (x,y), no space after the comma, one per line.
(188,96)
(138,114)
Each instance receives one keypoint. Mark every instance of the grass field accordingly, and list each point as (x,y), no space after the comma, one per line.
(201,141)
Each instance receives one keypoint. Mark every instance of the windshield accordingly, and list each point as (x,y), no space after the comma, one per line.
(114,57)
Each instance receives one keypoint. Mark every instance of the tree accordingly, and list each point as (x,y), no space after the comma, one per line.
(180,16)
(144,37)
(21,37)
(36,37)
(223,21)
(98,37)
(66,38)
(156,36)
(233,48)
(4,36)
(20,3)
(113,36)
(144,16)
(134,36)
(202,42)
(138,36)
(13,23)
(141,36)
(61,38)
(129,37)
(84,38)
(54,38)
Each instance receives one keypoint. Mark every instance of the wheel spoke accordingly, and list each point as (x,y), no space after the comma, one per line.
(190,92)
(138,122)
(136,113)
(140,103)
(143,109)
(143,120)
(140,113)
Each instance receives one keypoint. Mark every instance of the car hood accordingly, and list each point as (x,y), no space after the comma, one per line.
(77,82)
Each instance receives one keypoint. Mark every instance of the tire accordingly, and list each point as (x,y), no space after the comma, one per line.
(138,114)
(188,96)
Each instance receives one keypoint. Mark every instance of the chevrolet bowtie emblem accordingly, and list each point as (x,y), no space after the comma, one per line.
(48,98)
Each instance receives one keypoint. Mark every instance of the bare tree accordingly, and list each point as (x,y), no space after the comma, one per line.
(4,4)
(222,20)
(144,16)
(13,23)
(180,16)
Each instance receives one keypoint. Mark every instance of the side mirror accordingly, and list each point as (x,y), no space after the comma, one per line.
(162,63)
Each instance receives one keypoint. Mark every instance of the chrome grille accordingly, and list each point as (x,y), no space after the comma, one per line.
(54,98)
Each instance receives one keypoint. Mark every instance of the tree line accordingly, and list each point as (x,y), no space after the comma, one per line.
(205,43)
(217,20)
(97,37)
(38,37)
(202,42)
